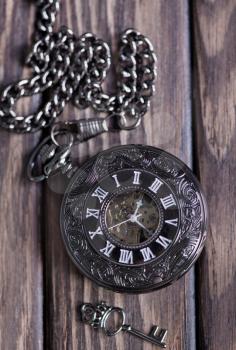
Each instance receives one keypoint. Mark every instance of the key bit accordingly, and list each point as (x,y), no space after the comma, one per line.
(162,333)
(97,316)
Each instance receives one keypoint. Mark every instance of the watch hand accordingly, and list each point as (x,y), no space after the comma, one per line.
(132,219)
(120,223)
(141,225)
(139,203)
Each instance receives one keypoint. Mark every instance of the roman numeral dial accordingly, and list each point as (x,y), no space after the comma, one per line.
(128,221)
(131,217)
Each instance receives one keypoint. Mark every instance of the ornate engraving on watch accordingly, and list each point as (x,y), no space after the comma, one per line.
(133,218)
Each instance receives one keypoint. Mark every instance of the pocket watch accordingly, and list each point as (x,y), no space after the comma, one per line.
(133,218)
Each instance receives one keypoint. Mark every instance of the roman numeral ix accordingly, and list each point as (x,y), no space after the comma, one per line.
(92,212)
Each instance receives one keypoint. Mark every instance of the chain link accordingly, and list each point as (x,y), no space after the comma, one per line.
(74,69)
(46,17)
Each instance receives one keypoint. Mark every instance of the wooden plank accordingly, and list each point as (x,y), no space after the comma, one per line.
(215,99)
(167,125)
(21,316)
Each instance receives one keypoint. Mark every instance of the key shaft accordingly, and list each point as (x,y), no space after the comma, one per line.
(152,338)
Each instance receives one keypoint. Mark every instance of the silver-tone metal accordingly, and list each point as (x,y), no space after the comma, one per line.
(83,129)
(184,223)
(46,16)
(74,68)
(49,157)
(156,336)
(98,316)
(55,132)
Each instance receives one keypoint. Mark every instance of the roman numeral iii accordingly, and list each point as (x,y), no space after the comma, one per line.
(126,256)
(100,193)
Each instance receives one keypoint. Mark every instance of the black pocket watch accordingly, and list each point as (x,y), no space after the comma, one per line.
(133,218)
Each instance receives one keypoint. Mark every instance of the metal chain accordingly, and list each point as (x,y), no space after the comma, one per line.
(74,68)
(46,17)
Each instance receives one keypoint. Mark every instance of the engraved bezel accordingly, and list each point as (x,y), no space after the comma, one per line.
(175,260)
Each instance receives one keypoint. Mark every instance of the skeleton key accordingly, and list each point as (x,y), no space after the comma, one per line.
(156,336)
(98,316)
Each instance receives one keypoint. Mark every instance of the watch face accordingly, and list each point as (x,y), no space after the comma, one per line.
(133,218)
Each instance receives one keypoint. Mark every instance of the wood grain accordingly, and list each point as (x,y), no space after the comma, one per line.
(40,289)
(167,125)
(215,146)
(21,275)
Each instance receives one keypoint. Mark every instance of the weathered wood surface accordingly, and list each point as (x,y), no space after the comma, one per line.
(40,289)
(65,287)
(214,107)
(21,258)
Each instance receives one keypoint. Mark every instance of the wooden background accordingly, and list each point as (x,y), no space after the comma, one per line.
(192,115)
